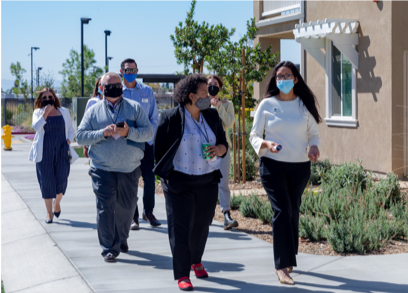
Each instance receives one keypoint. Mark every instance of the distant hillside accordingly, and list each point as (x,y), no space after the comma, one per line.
(8,84)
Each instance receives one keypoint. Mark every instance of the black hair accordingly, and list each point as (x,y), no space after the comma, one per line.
(300,89)
(128,60)
(186,86)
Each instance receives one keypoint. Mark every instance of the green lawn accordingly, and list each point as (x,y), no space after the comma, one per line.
(2,287)
(80,152)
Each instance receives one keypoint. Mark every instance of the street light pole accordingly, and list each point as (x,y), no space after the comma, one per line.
(35,49)
(107,33)
(38,75)
(84,20)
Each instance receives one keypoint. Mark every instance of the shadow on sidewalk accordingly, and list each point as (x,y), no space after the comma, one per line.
(352,284)
(242,286)
(76,224)
(163,262)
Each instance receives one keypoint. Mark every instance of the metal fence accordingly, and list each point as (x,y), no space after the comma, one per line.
(19,111)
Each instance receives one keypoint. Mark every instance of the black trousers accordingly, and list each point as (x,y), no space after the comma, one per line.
(116,198)
(146,166)
(190,207)
(284,183)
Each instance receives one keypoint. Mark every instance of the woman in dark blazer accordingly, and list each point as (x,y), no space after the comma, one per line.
(188,141)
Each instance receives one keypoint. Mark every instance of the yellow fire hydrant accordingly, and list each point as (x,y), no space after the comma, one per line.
(7,137)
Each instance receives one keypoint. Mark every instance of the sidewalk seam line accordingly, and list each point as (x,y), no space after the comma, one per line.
(14,210)
(23,239)
(43,284)
(46,231)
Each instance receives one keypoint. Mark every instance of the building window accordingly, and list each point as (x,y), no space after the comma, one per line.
(341,84)
(340,89)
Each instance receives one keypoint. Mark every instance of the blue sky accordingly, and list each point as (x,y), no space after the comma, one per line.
(140,30)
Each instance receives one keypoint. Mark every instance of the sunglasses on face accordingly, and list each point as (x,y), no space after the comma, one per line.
(112,86)
(286,76)
(130,70)
(47,98)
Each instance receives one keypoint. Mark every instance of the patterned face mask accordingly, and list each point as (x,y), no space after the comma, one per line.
(203,103)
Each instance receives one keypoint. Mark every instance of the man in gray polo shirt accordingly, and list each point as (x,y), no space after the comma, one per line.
(114,130)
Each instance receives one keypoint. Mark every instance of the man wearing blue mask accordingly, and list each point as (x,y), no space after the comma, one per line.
(142,94)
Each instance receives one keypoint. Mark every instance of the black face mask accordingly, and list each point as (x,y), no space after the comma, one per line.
(113,92)
(47,102)
(213,90)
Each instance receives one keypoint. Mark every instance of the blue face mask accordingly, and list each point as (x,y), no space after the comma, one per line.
(130,77)
(100,92)
(285,85)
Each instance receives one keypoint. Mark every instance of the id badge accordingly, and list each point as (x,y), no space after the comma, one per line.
(145,100)
(277,110)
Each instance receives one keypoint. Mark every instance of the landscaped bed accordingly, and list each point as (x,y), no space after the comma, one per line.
(346,212)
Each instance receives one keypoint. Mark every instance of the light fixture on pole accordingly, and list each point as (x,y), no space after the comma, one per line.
(84,20)
(107,33)
(107,64)
(35,49)
(38,75)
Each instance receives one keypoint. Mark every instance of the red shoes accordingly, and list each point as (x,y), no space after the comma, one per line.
(185,286)
(199,273)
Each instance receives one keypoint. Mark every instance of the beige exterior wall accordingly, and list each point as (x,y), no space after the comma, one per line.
(399,45)
(378,139)
(371,140)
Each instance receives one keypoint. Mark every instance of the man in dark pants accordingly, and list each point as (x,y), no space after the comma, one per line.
(114,129)
(142,94)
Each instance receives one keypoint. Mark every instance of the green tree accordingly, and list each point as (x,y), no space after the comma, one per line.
(227,62)
(71,84)
(20,85)
(193,41)
(46,80)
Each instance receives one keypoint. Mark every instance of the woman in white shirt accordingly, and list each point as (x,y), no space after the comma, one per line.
(96,97)
(288,116)
(51,149)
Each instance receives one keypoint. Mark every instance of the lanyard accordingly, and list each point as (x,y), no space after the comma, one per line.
(206,134)
(113,111)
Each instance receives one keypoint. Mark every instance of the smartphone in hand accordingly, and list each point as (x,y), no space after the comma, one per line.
(120,124)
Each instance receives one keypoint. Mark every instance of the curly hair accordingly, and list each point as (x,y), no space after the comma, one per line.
(186,86)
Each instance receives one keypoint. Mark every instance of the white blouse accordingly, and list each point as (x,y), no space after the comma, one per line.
(287,123)
(189,159)
(92,101)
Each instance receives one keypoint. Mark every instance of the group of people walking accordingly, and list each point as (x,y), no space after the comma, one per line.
(188,148)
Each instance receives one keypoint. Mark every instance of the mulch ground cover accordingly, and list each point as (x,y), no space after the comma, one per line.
(255,227)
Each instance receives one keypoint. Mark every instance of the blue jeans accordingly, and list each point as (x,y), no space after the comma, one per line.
(147,165)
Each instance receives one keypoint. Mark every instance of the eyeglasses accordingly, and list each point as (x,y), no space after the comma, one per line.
(130,70)
(286,76)
(47,98)
(112,86)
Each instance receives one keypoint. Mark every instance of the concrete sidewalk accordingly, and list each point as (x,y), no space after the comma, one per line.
(67,252)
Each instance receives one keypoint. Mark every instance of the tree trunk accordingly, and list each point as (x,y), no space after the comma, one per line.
(243,118)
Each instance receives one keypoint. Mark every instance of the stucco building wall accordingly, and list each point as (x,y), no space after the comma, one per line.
(379,138)
(371,140)
(399,45)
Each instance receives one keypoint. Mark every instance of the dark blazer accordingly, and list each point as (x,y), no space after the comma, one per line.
(170,131)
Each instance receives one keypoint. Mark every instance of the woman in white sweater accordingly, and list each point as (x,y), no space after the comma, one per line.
(51,149)
(288,116)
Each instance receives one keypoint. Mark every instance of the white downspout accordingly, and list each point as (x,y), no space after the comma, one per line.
(302,51)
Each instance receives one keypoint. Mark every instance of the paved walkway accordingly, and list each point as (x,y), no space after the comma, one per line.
(65,256)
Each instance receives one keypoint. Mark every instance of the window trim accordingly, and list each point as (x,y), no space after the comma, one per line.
(332,120)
